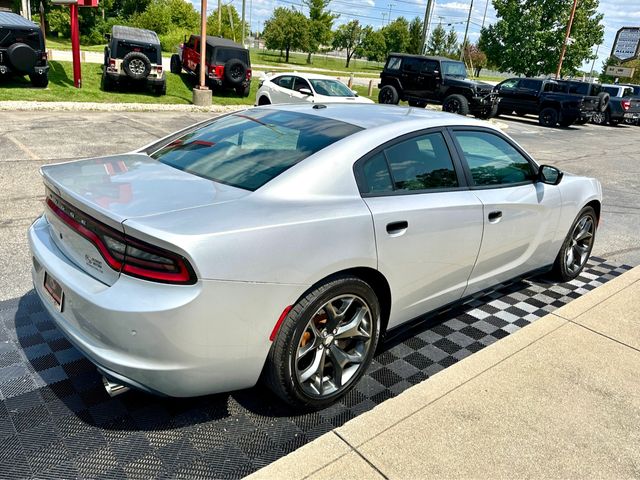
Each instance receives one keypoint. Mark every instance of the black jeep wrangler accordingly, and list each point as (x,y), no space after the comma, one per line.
(420,80)
(227,62)
(22,50)
(134,56)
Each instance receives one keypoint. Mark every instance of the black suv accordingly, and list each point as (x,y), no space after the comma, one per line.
(133,55)
(420,80)
(228,63)
(22,50)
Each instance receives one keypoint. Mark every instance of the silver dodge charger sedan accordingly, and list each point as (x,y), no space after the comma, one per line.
(281,242)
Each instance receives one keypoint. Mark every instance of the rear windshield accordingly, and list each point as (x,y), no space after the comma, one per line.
(223,55)
(10,36)
(248,149)
(124,47)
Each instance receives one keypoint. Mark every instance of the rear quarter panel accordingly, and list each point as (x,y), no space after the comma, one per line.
(576,193)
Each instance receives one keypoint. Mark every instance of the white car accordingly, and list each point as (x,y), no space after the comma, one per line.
(305,88)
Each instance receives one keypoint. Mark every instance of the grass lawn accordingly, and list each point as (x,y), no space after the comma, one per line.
(55,43)
(60,89)
(267,57)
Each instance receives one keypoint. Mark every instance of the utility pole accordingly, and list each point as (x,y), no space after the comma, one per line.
(219,18)
(466,32)
(390,7)
(202,94)
(593,64)
(425,25)
(384,15)
(244,2)
(566,38)
(484,17)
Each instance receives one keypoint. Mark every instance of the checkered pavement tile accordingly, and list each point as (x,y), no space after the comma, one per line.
(56,421)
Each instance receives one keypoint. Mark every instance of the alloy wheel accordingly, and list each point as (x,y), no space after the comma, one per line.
(580,244)
(136,66)
(453,106)
(333,346)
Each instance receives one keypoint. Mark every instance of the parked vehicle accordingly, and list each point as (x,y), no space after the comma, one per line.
(228,63)
(552,103)
(585,89)
(421,80)
(133,56)
(22,49)
(284,241)
(293,87)
(623,106)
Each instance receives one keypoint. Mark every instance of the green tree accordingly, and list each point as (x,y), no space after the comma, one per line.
(437,41)
(475,57)
(451,47)
(373,47)
(349,37)
(287,29)
(415,36)
(320,25)
(396,35)
(527,38)
(230,25)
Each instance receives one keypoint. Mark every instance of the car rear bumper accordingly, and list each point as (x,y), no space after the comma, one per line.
(174,340)
(37,70)
(123,77)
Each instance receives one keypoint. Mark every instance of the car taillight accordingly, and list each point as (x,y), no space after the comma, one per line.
(44,56)
(124,253)
(112,62)
(248,74)
(626,104)
(219,71)
(159,69)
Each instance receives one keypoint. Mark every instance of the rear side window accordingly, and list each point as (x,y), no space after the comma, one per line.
(247,150)
(613,91)
(394,63)
(411,64)
(10,36)
(492,160)
(284,82)
(420,163)
(530,84)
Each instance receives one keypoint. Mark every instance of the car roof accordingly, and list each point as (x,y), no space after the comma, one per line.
(368,116)
(221,42)
(120,32)
(305,75)
(12,20)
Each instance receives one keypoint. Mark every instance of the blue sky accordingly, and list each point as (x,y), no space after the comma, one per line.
(617,13)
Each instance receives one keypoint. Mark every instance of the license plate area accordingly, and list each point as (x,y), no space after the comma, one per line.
(54,289)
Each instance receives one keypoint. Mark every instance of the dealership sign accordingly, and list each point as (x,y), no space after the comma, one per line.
(627,43)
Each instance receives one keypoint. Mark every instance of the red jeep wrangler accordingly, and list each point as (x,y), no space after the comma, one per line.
(228,64)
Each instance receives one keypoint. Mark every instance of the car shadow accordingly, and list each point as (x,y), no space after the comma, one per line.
(531,121)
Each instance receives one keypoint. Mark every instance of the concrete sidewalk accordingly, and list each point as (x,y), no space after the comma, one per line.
(557,399)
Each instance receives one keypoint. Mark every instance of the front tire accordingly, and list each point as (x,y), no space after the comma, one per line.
(456,104)
(577,246)
(325,343)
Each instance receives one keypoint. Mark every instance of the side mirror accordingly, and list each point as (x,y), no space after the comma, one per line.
(305,91)
(107,37)
(549,175)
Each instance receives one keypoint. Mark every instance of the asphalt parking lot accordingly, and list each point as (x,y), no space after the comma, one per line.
(56,421)
(31,139)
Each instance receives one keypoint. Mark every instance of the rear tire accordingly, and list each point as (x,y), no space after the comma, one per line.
(175,65)
(388,95)
(106,83)
(160,89)
(39,81)
(575,250)
(325,343)
(456,104)
(548,117)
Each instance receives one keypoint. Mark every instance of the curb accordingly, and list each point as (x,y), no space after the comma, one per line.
(27,106)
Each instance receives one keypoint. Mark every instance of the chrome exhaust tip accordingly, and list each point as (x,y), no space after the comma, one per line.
(113,389)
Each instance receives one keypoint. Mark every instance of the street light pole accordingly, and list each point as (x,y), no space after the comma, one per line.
(425,26)
(566,37)
(466,32)
(484,17)
(243,9)
(593,64)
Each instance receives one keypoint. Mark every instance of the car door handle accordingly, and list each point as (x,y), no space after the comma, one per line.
(495,216)
(397,228)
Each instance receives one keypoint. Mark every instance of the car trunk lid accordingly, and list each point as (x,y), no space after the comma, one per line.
(102,193)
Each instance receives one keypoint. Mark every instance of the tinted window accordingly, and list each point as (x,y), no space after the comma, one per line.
(411,64)
(300,83)
(530,84)
(511,83)
(492,160)
(421,163)
(8,37)
(376,174)
(284,82)
(393,63)
(249,149)
(223,55)
(613,91)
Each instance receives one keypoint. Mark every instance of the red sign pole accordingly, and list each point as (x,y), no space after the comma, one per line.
(75,45)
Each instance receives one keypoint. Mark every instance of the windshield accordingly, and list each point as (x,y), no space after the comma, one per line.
(331,88)
(248,149)
(454,69)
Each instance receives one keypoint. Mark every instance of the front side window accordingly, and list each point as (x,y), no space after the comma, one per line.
(511,83)
(248,149)
(299,84)
(420,163)
(429,66)
(492,160)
